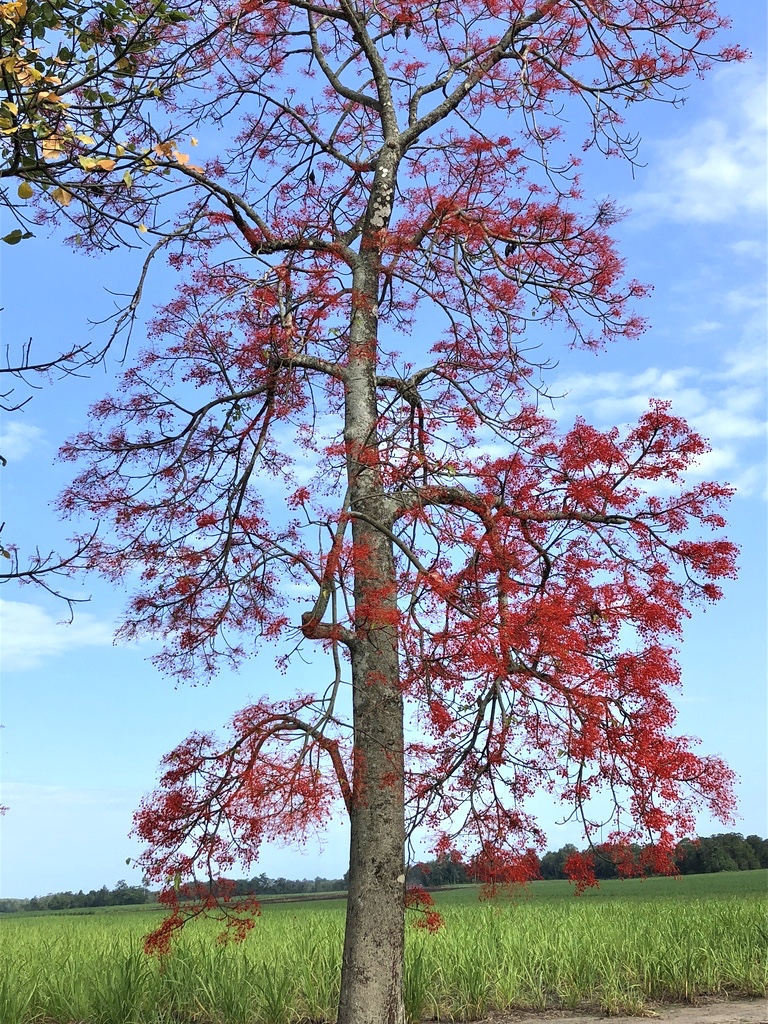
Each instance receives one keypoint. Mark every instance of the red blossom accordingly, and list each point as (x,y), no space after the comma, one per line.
(580,868)
(420,900)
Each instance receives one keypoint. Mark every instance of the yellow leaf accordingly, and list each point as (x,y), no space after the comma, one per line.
(51,147)
(27,75)
(119,150)
(25,190)
(87,162)
(128,179)
(61,196)
(12,107)
(106,165)
(87,140)
(13,12)
(183,159)
(143,228)
(193,140)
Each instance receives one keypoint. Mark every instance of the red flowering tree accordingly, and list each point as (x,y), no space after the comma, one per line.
(333,440)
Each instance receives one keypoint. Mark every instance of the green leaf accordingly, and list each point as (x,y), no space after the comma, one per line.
(16,236)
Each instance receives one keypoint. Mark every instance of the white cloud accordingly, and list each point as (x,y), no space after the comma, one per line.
(22,795)
(749,248)
(712,463)
(746,363)
(716,172)
(29,634)
(725,405)
(18,439)
(724,422)
(706,327)
(745,300)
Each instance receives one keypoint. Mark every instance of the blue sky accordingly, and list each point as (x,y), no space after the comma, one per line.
(86,722)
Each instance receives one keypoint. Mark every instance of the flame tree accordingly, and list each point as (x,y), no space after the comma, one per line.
(333,439)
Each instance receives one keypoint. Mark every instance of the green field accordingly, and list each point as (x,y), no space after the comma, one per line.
(614,949)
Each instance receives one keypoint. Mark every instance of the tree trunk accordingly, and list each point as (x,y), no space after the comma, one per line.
(372,967)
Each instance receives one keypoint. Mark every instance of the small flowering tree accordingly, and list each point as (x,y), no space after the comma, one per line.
(333,440)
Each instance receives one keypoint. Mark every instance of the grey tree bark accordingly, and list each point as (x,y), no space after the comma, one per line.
(372,966)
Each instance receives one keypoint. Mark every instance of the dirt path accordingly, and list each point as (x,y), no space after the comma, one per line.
(751,1011)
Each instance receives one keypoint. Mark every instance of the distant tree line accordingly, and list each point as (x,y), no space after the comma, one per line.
(729,851)
(123,895)
(263,886)
(126,895)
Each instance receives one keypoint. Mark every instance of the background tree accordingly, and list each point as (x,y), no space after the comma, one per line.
(553,862)
(760,849)
(725,852)
(511,593)
(72,74)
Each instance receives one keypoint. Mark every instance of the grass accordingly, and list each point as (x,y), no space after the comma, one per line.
(687,887)
(614,949)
